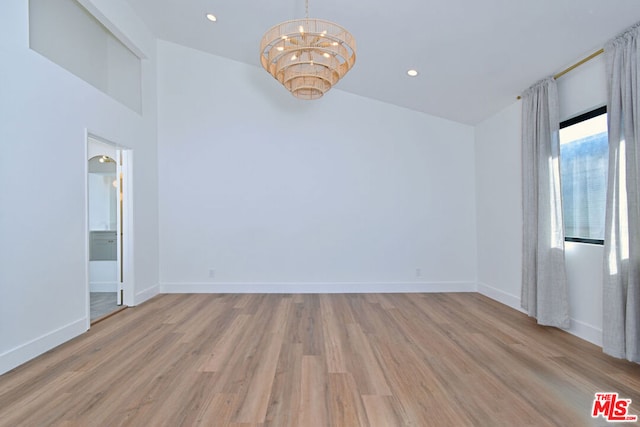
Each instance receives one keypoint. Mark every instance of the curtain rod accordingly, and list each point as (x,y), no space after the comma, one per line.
(579,63)
(576,65)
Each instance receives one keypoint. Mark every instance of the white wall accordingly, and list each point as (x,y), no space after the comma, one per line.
(499,206)
(499,198)
(45,113)
(281,195)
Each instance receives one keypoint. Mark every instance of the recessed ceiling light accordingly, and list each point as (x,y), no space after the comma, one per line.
(412,73)
(211,17)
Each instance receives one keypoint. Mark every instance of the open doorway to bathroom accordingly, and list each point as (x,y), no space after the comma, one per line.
(108,234)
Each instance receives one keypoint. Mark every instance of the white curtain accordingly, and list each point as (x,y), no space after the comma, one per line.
(544,280)
(621,287)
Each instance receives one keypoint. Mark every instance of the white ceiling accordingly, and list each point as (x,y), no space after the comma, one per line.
(474,57)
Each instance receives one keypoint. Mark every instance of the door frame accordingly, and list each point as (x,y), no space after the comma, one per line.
(96,146)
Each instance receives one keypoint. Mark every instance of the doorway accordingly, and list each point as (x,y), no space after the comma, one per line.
(108,217)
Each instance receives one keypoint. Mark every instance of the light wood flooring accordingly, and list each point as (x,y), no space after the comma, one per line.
(317,360)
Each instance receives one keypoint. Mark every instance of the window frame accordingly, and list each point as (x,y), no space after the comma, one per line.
(570,122)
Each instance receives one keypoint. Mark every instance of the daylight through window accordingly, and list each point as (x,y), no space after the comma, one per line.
(584,153)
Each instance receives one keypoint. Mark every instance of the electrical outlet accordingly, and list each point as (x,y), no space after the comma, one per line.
(212,273)
(418,272)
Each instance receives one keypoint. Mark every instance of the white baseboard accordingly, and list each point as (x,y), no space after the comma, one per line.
(578,328)
(317,287)
(103,286)
(501,296)
(146,294)
(25,352)
(586,332)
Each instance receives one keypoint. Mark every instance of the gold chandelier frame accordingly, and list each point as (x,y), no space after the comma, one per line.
(308,56)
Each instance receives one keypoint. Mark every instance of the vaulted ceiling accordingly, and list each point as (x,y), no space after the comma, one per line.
(474,57)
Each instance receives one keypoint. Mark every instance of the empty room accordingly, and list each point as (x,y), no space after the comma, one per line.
(319,213)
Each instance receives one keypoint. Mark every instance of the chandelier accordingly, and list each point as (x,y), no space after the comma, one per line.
(308,56)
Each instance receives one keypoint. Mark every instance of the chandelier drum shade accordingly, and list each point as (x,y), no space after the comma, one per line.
(308,56)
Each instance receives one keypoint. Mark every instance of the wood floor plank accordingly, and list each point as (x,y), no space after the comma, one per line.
(345,404)
(422,398)
(194,391)
(284,405)
(219,410)
(313,392)
(334,337)
(305,326)
(343,360)
(224,349)
(363,364)
(256,400)
(380,411)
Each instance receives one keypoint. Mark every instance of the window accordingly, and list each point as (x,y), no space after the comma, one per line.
(584,154)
